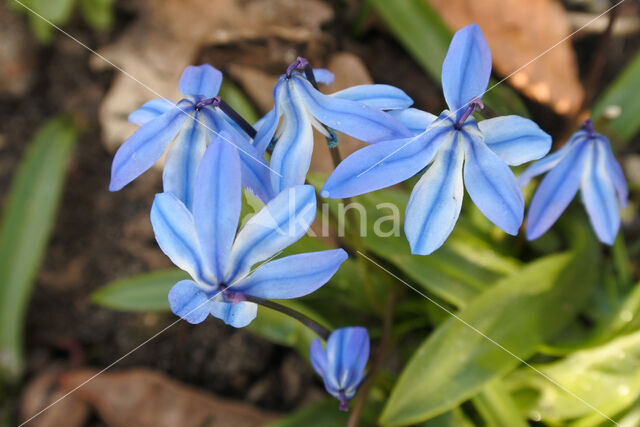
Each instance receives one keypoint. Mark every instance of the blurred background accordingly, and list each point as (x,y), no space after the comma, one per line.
(64,236)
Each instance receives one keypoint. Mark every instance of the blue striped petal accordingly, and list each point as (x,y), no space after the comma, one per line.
(269,123)
(514,139)
(238,314)
(200,80)
(292,276)
(323,76)
(347,356)
(255,170)
(491,185)
(175,233)
(556,191)
(599,195)
(417,121)
(217,203)
(183,158)
(435,202)
(150,110)
(189,302)
(320,364)
(353,118)
(144,148)
(466,68)
(615,172)
(283,221)
(383,164)
(380,97)
(292,154)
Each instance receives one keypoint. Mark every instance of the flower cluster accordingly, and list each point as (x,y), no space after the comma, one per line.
(212,152)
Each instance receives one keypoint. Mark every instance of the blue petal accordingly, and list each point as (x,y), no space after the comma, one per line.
(434,205)
(144,148)
(615,172)
(255,170)
(417,121)
(217,203)
(380,97)
(514,139)
(150,110)
(280,223)
(383,164)
(319,358)
(292,276)
(237,315)
(189,302)
(466,68)
(176,234)
(347,354)
(181,163)
(556,191)
(203,80)
(292,155)
(492,186)
(599,195)
(543,165)
(323,76)
(352,118)
(269,123)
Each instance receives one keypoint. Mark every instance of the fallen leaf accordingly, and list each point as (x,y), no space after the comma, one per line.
(518,32)
(140,397)
(17,54)
(168,36)
(42,392)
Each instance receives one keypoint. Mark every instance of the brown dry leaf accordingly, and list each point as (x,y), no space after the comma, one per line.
(517,32)
(42,392)
(169,35)
(140,397)
(17,54)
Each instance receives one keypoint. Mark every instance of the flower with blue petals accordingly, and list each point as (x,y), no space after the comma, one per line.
(355,111)
(190,124)
(454,146)
(203,242)
(585,162)
(342,364)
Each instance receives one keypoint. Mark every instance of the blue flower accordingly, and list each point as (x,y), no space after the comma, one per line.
(585,162)
(203,242)
(192,122)
(355,111)
(342,364)
(447,143)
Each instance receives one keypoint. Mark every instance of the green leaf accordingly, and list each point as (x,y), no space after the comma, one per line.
(98,13)
(497,407)
(144,292)
(622,93)
(520,312)
(608,377)
(323,414)
(452,418)
(56,12)
(419,28)
(27,221)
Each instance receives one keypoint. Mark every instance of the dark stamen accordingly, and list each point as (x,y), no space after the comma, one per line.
(302,64)
(216,101)
(474,104)
(588,126)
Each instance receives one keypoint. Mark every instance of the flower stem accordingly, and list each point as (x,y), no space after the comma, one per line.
(307,321)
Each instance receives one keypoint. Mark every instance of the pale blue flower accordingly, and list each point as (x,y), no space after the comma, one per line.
(342,364)
(355,111)
(457,150)
(224,266)
(585,162)
(190,125)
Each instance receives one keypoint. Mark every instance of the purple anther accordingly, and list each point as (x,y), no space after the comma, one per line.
(473,105)
(233,297)
(344,402)
(215,101)
(588,126)
(299,64)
